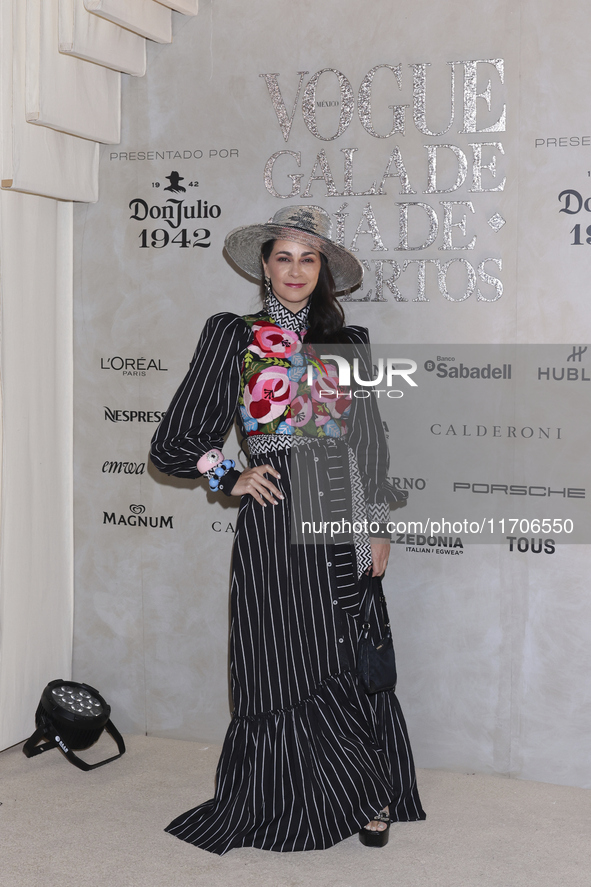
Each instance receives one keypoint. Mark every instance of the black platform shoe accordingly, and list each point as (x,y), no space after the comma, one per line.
(372,838)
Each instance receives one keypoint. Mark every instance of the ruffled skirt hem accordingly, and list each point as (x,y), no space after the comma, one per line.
(306,777)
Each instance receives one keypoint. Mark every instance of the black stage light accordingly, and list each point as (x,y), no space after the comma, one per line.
(72,716)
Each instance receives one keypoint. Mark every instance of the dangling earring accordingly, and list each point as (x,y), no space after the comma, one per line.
(268,294)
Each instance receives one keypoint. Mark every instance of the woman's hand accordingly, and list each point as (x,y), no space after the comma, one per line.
(380,552)
(253,482)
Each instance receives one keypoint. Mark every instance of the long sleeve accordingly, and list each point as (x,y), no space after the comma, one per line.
(204,406)
(367,437)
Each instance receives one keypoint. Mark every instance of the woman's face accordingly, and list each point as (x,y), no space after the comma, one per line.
(293,269)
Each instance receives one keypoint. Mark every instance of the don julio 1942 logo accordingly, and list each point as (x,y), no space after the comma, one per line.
(173,214)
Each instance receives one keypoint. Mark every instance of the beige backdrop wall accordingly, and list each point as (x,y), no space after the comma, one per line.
(433,134)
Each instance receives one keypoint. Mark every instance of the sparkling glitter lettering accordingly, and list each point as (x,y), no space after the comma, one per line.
(449,224)
(440,225)
(419,92)
(396,159)
(478,166)
(348,176)
(325,173)
(285,120)
(347,104)
(372,228)
(432,151)
(471,95)
(492,281)
(421,265)
(389,281)
(340,216)
(364,103)
(295,178)
(403,225)
(443,268)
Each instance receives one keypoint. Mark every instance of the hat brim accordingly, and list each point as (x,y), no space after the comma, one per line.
(244,247)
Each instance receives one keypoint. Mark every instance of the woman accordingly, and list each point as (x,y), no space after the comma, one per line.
(309,757)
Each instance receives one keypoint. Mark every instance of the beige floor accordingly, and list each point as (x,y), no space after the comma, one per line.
(60,827)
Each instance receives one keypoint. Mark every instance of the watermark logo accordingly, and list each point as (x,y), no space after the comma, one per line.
(388,370)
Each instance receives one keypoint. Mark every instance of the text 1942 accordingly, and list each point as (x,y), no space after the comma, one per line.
(160,238)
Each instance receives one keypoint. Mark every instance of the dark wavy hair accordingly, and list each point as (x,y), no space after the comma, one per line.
(326,317)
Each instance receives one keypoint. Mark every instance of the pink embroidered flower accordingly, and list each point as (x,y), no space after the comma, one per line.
(325,390)
(300,411)
(268,393)
(321,414)
(321,419)
(325,385)
(270,340)
(340,406)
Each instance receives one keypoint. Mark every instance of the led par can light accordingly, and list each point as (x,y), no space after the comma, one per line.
(71,717)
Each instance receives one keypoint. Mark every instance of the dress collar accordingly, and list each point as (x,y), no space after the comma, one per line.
(285,318)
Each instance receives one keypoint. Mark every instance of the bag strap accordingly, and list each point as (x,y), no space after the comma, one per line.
(366,588)
(374,589)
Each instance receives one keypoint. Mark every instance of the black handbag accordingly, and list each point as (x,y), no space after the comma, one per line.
(376,662)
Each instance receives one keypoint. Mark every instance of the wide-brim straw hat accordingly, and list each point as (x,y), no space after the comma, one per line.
(308,225)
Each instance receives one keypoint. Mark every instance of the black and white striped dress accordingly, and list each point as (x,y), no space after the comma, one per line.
(309,757)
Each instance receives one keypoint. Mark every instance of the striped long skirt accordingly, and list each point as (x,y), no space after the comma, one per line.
(309,757)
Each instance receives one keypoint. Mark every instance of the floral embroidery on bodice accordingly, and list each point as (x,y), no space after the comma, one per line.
(275,394)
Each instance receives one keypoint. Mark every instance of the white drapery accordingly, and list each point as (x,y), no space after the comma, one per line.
(97,40)
(36,548)
(60,67)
